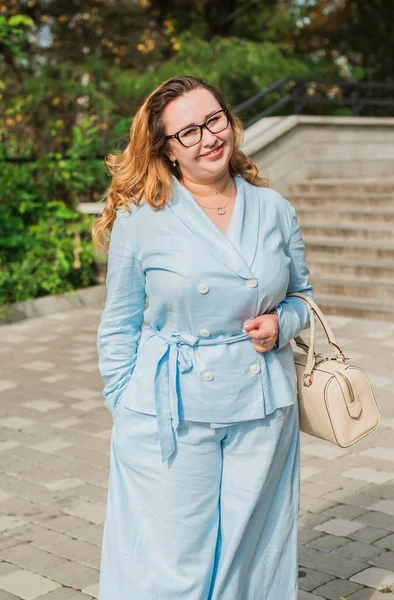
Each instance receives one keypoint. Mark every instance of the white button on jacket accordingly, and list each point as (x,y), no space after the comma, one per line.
(208,376)
(205,332)
(169,254)
(255,368)
(203,288)
(252,283)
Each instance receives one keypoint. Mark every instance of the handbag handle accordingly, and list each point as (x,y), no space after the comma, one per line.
(314,310)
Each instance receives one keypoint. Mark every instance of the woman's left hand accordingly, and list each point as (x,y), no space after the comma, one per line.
(264,326)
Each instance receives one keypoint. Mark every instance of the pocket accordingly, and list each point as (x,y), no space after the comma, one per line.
(120,402)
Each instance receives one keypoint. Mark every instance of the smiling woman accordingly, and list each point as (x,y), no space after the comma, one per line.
(204,475)
(145,169)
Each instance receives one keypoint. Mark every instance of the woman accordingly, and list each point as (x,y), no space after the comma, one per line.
(204,475)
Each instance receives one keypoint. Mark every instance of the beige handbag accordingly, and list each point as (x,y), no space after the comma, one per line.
(335,399)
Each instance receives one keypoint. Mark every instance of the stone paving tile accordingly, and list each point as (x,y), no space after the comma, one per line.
(76,550)
(72,574)
(359,550)
(91,511)
(7,541)
(375,577)
(386,542)
(6,568)
(337,589)
(330,563)
(54,455)
(9,522)
(317,490)
(307,596)
(368,475)
(92,590)
(344,511)
(379,519)
(7,596)
(65,484)
(27,585)
(64,594)
(384,506)
(38,535)
(340,527)
(327,543)
(309,579)
(306,535)
(385,491)
(42,405)
(380,452)
(39,365)
(6,385)
(384,560)
(90,533)
(29,557)
(368,594)
(361,500)
(316,505)
(16,423)
(64,523)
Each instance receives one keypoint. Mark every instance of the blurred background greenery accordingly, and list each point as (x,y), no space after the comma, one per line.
(72,75)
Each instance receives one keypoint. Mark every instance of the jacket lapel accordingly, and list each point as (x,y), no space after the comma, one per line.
(244,228)
(236,249)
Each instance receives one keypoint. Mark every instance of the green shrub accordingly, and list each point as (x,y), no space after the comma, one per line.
(45,242)
(52,255)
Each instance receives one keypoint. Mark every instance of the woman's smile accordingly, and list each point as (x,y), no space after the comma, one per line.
(213,154)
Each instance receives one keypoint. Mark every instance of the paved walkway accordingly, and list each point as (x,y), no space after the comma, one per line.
(54,442)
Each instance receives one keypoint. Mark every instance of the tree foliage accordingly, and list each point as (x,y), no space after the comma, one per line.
(73,73)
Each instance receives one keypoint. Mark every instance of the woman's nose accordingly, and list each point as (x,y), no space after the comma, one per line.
(208,138)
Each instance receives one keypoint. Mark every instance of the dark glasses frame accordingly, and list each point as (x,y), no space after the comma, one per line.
(202,126)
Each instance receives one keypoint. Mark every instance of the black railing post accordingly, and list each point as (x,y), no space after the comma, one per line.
(355,102)
(298,97)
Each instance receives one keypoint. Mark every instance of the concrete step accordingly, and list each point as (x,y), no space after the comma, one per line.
(316,202)
(348,230)
(356,231)
(381,291)
(344,267)
(354,307)
(347,215)
(348,249)
(347,187)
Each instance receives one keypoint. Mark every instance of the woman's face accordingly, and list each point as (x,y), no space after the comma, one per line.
(209,158)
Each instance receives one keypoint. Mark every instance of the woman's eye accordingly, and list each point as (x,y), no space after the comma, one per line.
(189,131)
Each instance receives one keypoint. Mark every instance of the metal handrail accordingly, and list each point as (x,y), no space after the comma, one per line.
(253,99)
(354,94)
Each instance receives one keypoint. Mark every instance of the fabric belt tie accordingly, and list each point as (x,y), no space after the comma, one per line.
(167,412)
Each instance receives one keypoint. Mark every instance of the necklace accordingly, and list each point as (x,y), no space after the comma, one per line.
(221,210)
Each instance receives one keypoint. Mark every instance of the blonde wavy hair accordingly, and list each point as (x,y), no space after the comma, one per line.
(143,170)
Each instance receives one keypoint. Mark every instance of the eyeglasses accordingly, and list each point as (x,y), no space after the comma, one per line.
(192,135)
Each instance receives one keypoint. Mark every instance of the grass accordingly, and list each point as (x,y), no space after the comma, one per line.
(388,589)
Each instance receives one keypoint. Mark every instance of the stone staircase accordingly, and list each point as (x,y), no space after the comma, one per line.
(348,230)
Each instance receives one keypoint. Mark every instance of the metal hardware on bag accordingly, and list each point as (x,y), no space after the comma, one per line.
(337,359)
(308,379)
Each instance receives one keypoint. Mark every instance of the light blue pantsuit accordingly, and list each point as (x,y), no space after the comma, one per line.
(204,475)
(220,524)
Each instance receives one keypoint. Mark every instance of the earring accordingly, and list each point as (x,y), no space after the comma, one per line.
(174,163)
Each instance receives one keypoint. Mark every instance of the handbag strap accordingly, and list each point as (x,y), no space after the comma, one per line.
(314,310)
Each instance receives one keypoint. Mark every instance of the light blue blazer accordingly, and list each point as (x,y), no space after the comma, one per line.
(191,359)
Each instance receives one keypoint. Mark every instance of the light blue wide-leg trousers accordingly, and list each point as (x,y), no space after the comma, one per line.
(219,522)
